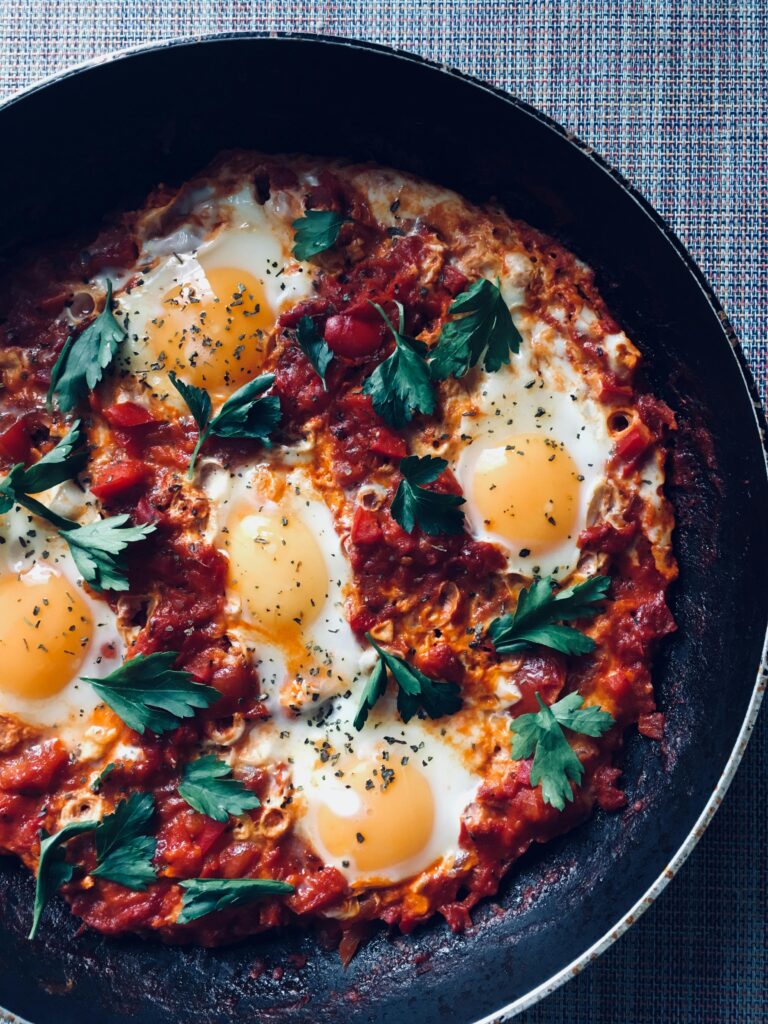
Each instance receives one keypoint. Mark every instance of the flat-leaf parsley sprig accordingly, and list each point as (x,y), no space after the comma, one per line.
(481,329)
(124,851)
(314,347)
(315,232)
(209,787)
(538,611)
(146,692)
(84,358)
(98,548)
(541,734)
(415,691)
(400,387)
(248,413)
(435,512)
(203,896)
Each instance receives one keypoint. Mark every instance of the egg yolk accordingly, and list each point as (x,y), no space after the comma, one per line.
(45,630)
(385,817)
(215,333)
(527,491)
(279,573)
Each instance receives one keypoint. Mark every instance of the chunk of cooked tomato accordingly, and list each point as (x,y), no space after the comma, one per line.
(119,479)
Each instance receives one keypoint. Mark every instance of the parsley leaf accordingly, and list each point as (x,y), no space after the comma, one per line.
(208,787)
(400,387)
(415,690)
(315,232)
(85,357)
(482,328)
(53,871)
(124,851)
(148,693)
(414,505)
(205,895)
(244,414)
(59,464)
(101,778)
(541,733)
(198,401)
(314,347)
(374,688)
(98,549)
(539,608)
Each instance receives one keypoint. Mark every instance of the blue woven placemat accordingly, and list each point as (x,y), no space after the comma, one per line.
(674,94)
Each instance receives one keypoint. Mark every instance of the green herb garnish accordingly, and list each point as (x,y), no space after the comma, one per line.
(400,387)
(98,549)
(203,896)
(146,692)
(539,609)
(415,691)
(59,464)
(124,850)
(414,505)
(314,347)
(84,358)
(208,787)
(315,232)
(248,413)
(541,733)
(53,870)
(481,328)
(98,783)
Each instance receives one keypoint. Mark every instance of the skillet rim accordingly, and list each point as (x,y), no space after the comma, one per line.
(534,996)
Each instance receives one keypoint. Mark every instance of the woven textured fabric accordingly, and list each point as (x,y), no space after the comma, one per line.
(675,94)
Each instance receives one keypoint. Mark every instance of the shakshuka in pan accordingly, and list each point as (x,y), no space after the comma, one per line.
(333,555)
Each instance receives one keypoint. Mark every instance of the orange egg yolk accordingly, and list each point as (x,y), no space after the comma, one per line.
(214,333)
(526,491)
(384,818)
(45,630)
(279,572)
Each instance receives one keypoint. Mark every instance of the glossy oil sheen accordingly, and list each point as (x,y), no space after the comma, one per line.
(334,98)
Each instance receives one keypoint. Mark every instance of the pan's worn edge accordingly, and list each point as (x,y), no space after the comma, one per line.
(516,1007)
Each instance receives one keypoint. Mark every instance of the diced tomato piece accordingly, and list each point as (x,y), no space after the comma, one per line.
(612,390)
(454,280)
(119,479)
(318,891)
(442,662)
(396,537)
(126,415)
(540,673)
(607,538)
(385,442)
(356,333)
(620,684)
(656,414)
(632,445)
(607,792)
(651,725)
(209,833)
(15,441)
(34,770)
(365,527)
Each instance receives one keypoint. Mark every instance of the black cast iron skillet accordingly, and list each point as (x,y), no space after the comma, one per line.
(99,138)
